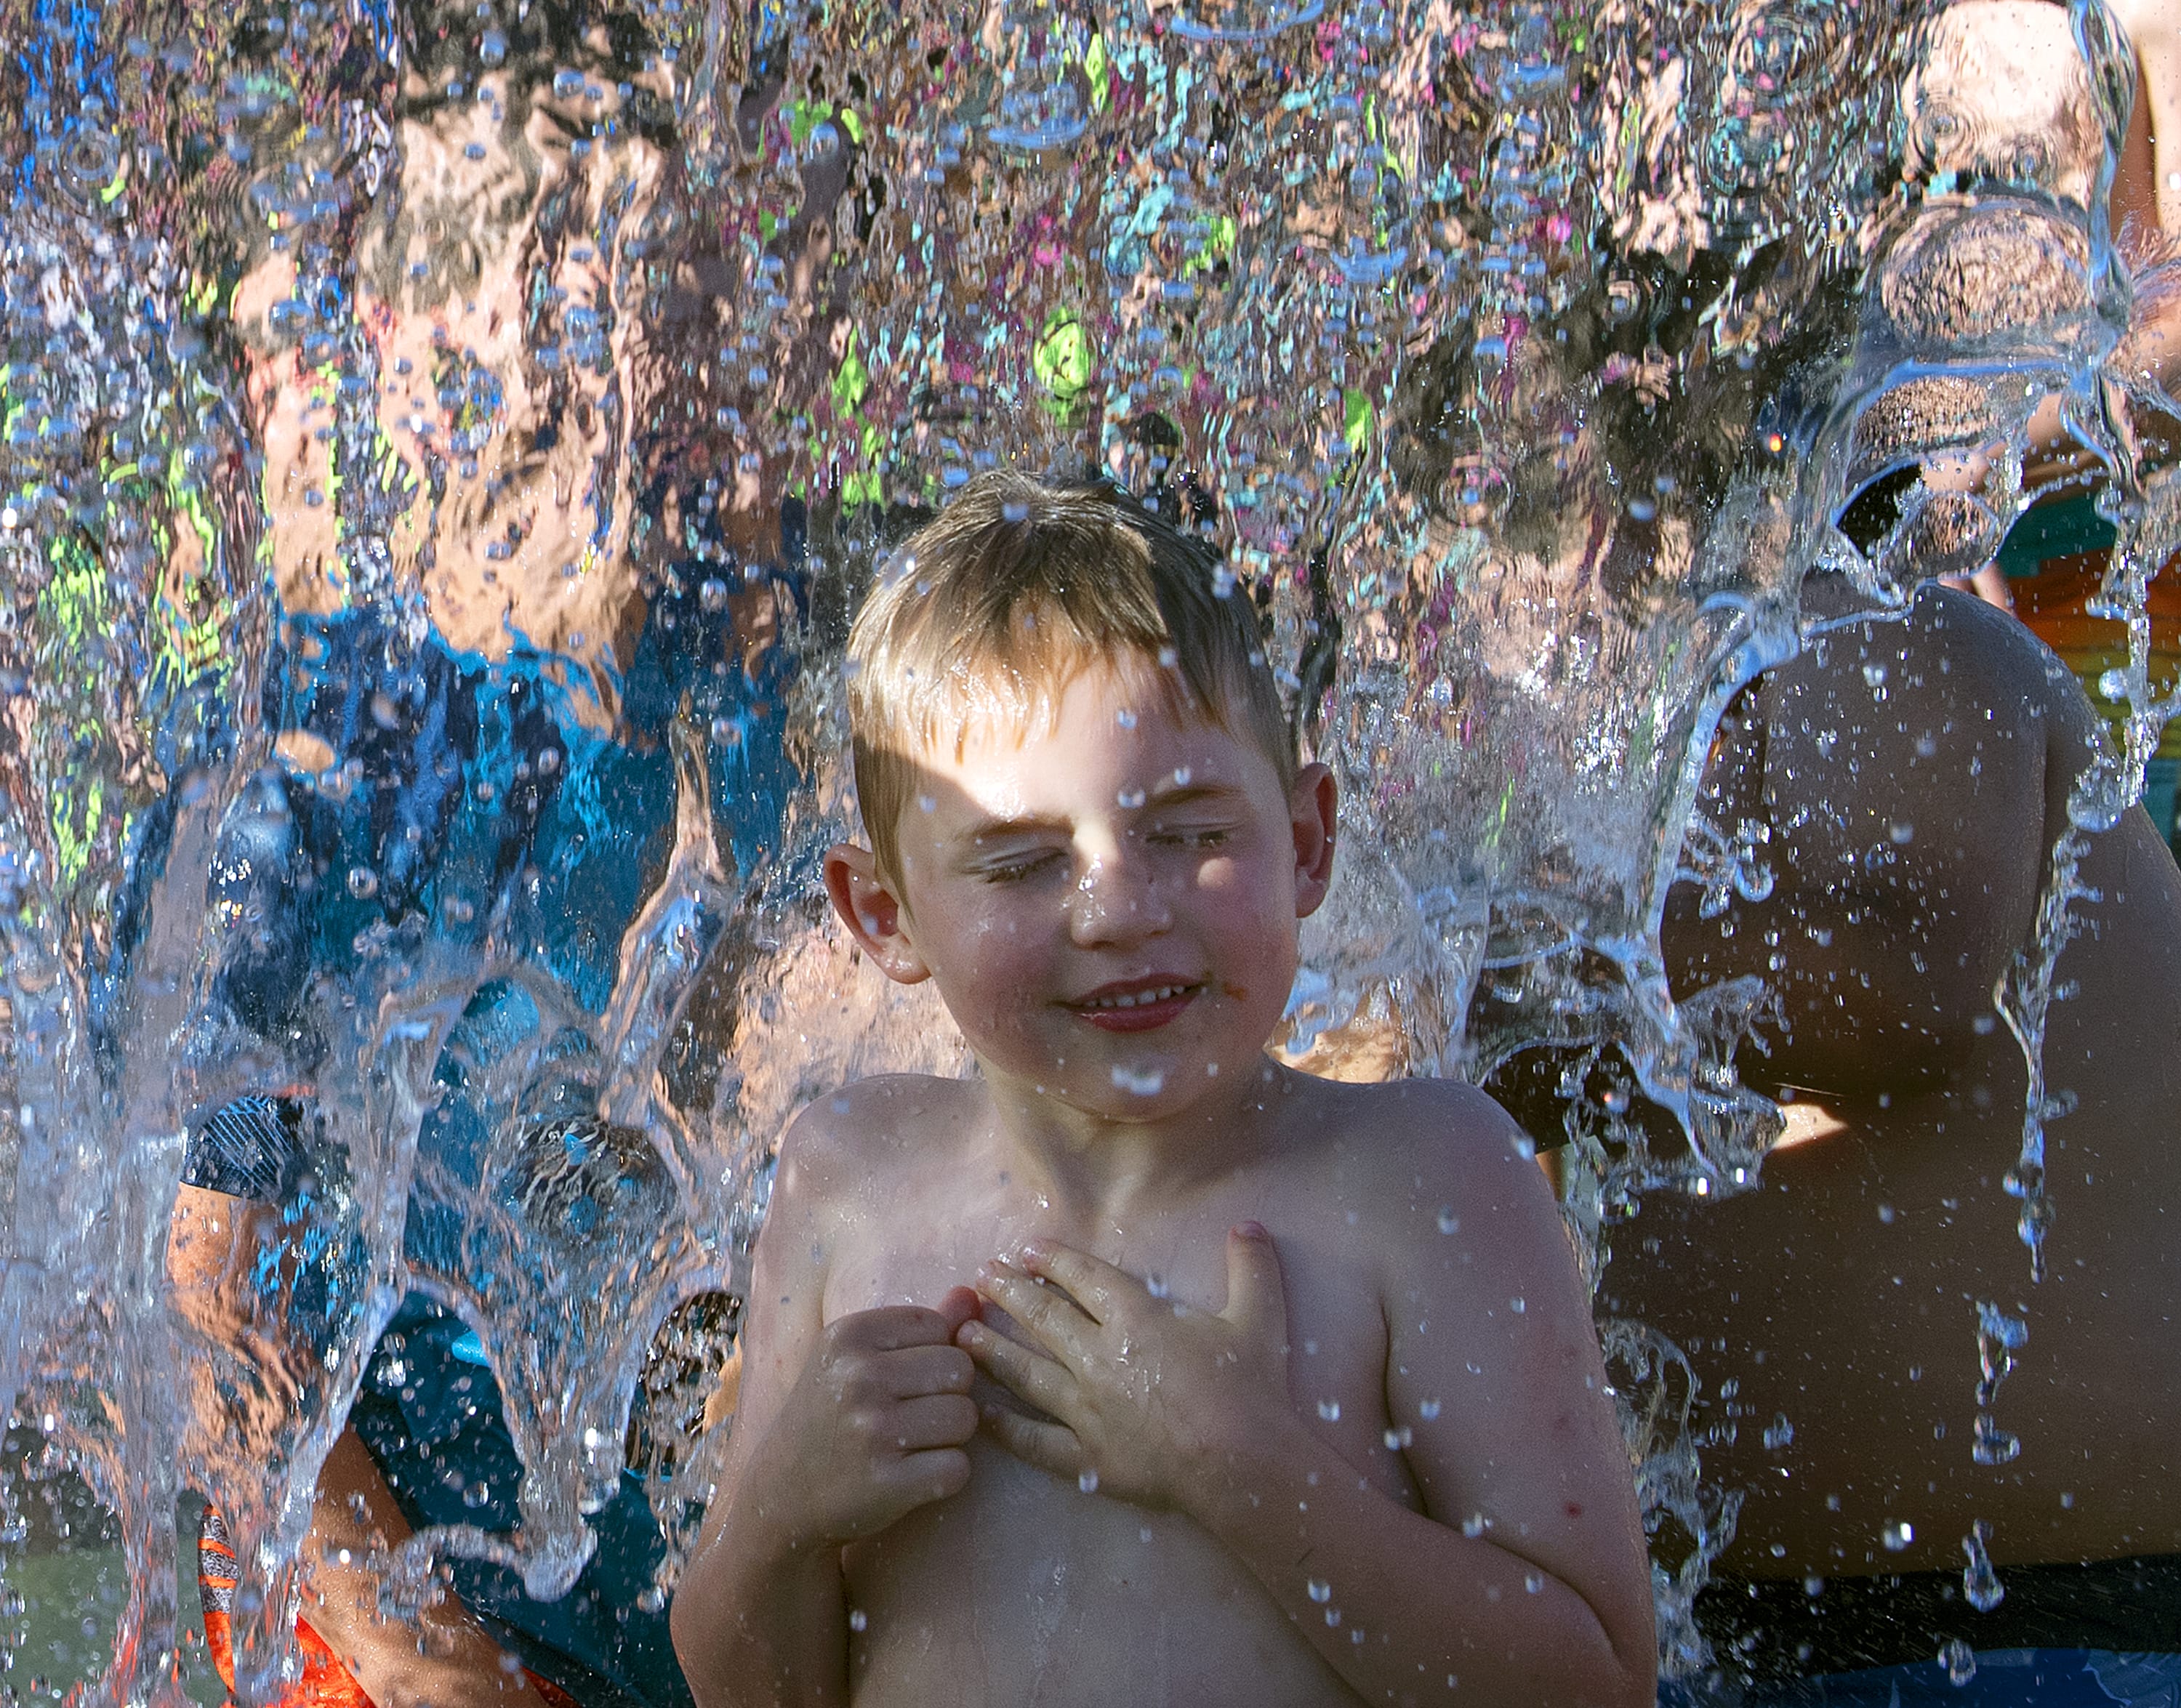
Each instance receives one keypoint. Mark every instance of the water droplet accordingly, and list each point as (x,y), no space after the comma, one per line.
(1131,799)
(1320,1590)
(1397,1438)
(1959,1660)
(1427,1410)
(1448,1223)
(1779,1433)
(1142,1082)
(713,594)
(1473,1526)
(1517,1305)
(1015,510)
(1533,1582)
(1993,1445)
(1874,676)
(1088,1482)
(1329,1410)
(858,1620)
(1980,1586)
(363,883)
(1896,1536)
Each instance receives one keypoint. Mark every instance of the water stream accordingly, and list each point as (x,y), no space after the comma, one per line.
(443,443)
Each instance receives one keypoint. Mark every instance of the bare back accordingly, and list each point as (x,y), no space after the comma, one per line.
(1914,776)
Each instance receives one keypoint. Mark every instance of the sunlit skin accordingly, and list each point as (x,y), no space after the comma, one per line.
(527,540)
(1108,1377)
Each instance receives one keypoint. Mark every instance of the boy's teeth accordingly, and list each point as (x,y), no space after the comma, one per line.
(1160,995)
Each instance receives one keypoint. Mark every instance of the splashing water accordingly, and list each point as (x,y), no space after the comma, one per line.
(443,445)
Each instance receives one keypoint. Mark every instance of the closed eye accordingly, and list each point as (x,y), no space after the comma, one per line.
(1190,835)
(1015,870)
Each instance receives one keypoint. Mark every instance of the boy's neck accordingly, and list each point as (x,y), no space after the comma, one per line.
(1094,1169)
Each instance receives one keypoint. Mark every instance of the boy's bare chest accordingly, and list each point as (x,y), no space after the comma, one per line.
(1026,1587)
(916,1242)
(1021,1591)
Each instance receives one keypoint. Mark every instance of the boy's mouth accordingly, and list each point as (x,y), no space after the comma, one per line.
(1136,1004)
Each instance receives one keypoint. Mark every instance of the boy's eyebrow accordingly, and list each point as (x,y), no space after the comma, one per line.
(996,829)
(1188,794)
(993,830)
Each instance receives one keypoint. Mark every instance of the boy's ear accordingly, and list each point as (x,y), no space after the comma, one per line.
(872,912)
(1314,810)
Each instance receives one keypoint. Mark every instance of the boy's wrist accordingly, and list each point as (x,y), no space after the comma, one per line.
(766,1527)
(1262,1460)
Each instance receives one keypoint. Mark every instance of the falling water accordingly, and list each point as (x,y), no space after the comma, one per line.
(443,444)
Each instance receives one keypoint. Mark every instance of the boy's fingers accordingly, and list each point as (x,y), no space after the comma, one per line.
(960,1306)
(1094,1284)
(1256,1292)
(934,1420)
(930,1476)
(891,1327)
(1028,1374)
(1046,1314)
(1050,1447)
(917,1370)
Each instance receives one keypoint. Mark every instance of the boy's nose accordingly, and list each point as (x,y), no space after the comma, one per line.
(1116,900)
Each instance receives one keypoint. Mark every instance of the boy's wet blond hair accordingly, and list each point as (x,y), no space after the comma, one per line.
(984,616)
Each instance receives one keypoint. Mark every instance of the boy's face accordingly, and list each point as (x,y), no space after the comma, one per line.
(1108,904)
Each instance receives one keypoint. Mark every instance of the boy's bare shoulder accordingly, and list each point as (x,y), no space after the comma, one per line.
(1415,1156)
(1444,1118)
(852,1136)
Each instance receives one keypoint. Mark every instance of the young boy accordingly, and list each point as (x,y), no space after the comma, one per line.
(1138,1369)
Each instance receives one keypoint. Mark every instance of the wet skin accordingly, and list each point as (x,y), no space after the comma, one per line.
(1855,1272)
(1071,1382)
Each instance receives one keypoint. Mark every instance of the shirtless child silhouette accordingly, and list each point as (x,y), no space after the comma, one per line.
(1138,1369)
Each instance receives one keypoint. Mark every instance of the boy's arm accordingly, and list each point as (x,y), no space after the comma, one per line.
(1525,1579)
(841,1428)
(759,1616)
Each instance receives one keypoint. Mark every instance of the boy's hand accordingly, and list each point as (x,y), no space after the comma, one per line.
(876,1426)
(1148,1396)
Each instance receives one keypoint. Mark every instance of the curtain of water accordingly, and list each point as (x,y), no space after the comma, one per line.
(442,443)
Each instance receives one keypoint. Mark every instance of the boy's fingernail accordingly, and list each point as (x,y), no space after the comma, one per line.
(1252,1230)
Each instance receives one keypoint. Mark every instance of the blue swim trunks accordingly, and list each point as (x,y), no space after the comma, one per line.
(2002,1678)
